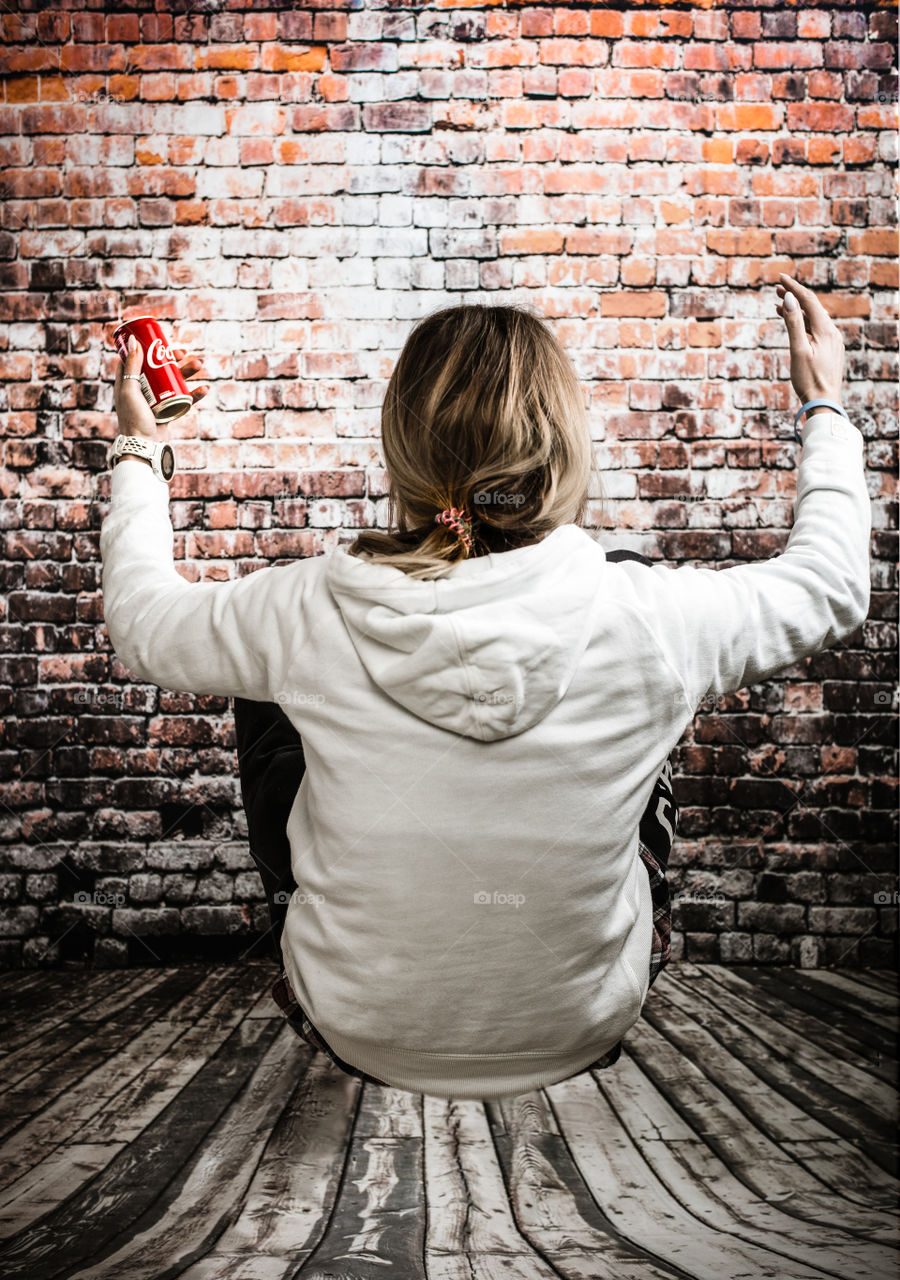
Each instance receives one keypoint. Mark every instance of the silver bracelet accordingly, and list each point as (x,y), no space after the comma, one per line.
(136,376)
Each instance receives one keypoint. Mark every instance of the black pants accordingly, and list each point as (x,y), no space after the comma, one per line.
(271,765)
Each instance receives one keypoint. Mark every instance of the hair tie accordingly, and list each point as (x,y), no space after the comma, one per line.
(458,519)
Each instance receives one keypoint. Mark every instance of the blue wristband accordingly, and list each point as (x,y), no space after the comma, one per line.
(811,404)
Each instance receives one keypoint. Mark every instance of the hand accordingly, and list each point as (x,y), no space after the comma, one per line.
(817,348)
(134,413)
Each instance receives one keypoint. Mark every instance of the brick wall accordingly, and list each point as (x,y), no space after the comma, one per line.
(291,187)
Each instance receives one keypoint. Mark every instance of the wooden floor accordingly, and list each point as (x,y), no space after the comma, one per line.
(167,1122)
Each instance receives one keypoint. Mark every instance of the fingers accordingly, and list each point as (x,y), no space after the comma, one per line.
(130,364)
(817,319)
(797,334)
(133,359)
(190,365)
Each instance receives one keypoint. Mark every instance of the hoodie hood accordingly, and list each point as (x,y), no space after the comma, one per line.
(485,652)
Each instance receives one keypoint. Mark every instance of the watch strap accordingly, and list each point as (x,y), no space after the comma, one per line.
(151,451)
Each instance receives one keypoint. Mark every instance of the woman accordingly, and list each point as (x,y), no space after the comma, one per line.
(457,783)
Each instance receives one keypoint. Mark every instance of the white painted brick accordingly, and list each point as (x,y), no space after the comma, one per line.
(392,273)
(290,275)
(359,211)
(426,273)
(430,212)
(395,211)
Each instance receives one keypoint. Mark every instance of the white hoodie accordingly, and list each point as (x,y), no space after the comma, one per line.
(472,919)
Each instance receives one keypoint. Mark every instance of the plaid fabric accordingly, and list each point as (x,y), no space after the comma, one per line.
(660,939)
(283,995)
(657,828)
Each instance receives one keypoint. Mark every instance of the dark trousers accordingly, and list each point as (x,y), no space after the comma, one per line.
(271,765)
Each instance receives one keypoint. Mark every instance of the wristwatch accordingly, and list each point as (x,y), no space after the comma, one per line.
(157,453)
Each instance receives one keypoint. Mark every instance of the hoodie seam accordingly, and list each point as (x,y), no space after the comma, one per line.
(464,665)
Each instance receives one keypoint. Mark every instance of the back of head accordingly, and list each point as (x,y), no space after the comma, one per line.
(483,411)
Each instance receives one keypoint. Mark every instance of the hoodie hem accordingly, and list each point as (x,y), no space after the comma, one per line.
(457,1075)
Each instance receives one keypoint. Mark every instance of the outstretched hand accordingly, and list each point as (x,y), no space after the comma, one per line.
(817,348)
(134,413)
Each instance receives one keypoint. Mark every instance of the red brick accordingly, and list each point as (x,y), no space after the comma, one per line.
(873,244)
(743,243)
(821,117)
(261,26)
(798,53)
(123,28)
(643,303)
(536,22)
(299,58)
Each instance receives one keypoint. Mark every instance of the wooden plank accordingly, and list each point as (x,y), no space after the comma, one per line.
(882,979)
(378,1221)
(99,1067)
(475,1266)
(287,1206)
(48,1040)
(216,1178)
(25,989)
(879,1006)
(735,1112)
(639,1205)
(766,1018)
(553,1208)
(38,1022)
(50,1082)
(17,979)
(146,1076)
(836,1030)
(21,1006)
(876,1043)
(707,1188)
(154,1067)
(470,1220)
(42,1189)
(137,1189)
(844,1100)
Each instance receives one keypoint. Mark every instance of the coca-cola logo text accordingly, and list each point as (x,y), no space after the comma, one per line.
(159,354)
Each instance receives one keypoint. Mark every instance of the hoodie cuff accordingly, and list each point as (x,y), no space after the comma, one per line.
(136,480)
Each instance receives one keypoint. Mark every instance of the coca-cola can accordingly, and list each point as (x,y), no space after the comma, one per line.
(162,382)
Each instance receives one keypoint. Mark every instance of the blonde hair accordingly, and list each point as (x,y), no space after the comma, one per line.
(484,411)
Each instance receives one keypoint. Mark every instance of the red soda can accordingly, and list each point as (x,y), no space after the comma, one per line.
(162,383)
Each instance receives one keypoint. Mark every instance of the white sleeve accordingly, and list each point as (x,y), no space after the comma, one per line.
(225,638)
(724,629)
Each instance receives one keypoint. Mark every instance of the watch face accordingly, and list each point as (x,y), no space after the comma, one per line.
(167,461)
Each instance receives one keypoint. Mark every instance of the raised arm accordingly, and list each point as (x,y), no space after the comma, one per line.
(226,638)
(728,628)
